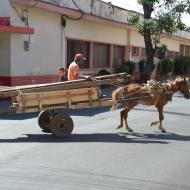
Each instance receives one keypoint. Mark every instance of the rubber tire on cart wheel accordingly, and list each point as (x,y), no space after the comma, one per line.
(61,125)
(44,118)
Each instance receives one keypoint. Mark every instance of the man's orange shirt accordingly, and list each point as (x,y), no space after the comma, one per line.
(73,71)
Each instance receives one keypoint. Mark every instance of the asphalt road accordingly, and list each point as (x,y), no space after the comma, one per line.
(97,156)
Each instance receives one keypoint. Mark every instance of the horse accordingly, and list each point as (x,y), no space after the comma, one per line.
(158,96)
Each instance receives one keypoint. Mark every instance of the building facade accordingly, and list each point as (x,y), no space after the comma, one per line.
(39,36)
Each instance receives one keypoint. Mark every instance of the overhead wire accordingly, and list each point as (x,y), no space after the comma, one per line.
(81,11)
(22,16)
(16,10)
(77,5)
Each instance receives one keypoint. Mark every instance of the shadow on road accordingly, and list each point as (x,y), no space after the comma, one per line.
(19,116)
(166,136)
(99,137)
(87,111)
(78,112)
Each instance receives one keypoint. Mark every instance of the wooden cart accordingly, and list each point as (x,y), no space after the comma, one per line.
(47,98)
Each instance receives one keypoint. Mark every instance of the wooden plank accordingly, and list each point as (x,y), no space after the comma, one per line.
(56,97)
(90,96)
(68,95)
(95,104)
(82,83)
(5,87)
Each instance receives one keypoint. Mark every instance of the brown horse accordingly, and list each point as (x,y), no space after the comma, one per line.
(157,96)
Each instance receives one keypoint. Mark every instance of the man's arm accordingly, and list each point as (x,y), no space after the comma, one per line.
(84,77)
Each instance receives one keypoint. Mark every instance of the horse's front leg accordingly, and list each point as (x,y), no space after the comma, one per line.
(123,116)
(157,121)
(129,107)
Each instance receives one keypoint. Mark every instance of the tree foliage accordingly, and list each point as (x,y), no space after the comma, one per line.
(161,51)
(166,66)
(127,67)
(182,65)
(166,18)
(159,17)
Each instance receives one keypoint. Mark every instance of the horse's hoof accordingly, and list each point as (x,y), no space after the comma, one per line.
(119,126)
(163,131)
(130,130)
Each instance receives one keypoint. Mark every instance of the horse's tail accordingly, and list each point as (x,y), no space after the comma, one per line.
(116,94)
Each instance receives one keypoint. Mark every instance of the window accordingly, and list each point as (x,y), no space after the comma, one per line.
(135,51)
(75,46)
(143,52)
(176,54)
(181,49)
(184,50)
(100,55)
(187,50)
(118,56)
(171,54)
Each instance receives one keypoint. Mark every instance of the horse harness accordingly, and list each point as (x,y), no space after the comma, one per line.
(152,88)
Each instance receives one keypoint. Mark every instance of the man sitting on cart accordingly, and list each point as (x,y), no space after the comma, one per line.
(73,70)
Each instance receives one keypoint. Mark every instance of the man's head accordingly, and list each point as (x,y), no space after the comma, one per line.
(61,71)
(79,58)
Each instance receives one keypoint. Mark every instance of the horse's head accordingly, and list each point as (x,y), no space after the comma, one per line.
(183,86)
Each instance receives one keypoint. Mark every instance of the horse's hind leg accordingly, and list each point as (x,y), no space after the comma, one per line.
(121,119)
(154,123)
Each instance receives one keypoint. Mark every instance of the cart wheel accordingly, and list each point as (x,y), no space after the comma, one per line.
(44,118)
(61,125)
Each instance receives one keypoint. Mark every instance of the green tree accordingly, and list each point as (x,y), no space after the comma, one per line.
(182,65)
(127,67)
(167,19)
(166,66)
